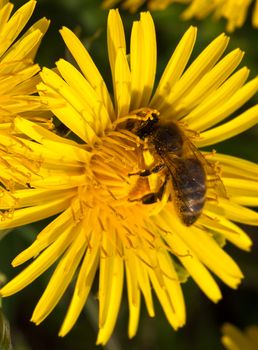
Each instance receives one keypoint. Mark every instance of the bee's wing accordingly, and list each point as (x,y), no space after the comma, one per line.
(212,174)
(186,174)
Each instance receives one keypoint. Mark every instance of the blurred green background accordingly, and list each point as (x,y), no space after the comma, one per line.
(202,330)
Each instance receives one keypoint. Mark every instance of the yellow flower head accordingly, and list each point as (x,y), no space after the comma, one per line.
(234,11)
(122,198)
(18,73)
(134,5)
(234,339)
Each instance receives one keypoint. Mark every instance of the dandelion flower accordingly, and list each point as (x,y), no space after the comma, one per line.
(18,73)
(90,181)
(235,12)
(134,5)
(234,339)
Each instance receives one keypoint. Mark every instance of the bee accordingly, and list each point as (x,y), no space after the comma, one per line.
(179,159)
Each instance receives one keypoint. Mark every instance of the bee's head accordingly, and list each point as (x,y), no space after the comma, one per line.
(143,127)
(146,127)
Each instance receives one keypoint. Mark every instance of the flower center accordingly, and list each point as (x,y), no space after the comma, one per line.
(117,164)
(112,162)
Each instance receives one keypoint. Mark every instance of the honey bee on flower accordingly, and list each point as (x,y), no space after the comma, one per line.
(120,205)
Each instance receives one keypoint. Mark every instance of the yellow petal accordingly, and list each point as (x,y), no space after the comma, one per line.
(68,149)
(28,215)
(61,278)
(71,110)
(23,48)
(110,289)
(255,15)
(119,65)
(15,25)
(209,83)
(234,127)
(168,289)
(237,166)
(187,256)
(214,257)
(133,292)
(97,115)
(245,201)
(38,266)
(41,26)
(175,67)
(46,237)
(228,229)
(144,284)
(83,286)
(240,187)
(200,244)
(122,83)
(32,196)
(201,65)
(88,68)
(233,339)
(5,12)
(206,114)
(234,212)
(143,44)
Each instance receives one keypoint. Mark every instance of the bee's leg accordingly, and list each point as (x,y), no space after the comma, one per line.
(212,197)
(147,172)
(189,132)
(153,197)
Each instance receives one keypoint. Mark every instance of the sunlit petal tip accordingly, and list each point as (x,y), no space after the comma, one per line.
(237,283)
(192,30)
(247,247)
(247,243)
(217,299)
(64,29)
(58,62)
(24,256)
(113,12)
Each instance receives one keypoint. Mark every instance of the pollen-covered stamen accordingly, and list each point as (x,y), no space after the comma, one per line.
(18,163)
(112,160)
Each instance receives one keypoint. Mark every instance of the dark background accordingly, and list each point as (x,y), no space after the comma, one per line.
(204,319)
